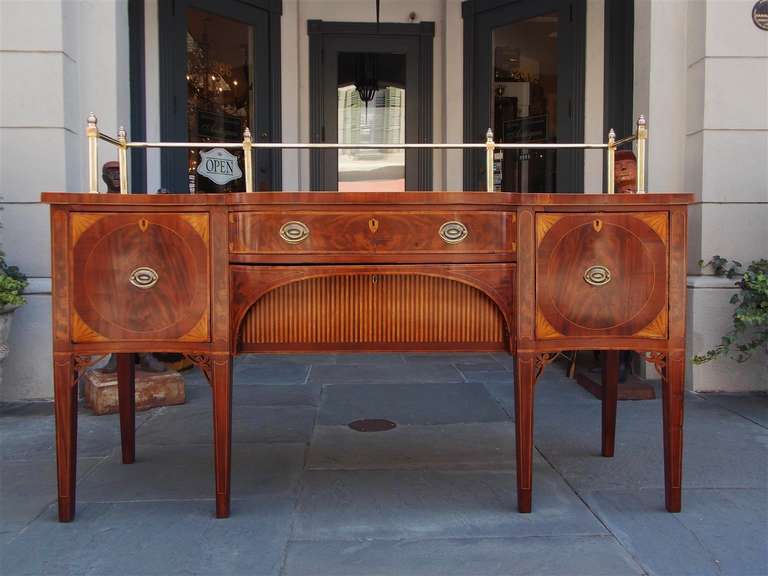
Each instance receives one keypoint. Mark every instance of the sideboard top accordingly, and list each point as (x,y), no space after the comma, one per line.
(356,198)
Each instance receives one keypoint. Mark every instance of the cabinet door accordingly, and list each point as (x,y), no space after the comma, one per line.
(601,274)
(140,276)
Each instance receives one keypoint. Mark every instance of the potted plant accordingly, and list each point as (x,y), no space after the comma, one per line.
(750,317)
(12,283)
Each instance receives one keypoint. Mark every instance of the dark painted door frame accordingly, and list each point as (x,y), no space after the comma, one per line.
(619,67)
(480,19)
(326,41)
(264,15)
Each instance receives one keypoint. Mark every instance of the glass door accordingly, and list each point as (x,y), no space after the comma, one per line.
(219,83)
(370,84)
(527,86)
(220,94)
(371,110)
(525,103)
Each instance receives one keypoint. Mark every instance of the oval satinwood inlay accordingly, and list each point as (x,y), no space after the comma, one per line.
(143,277)
(597,275)
(294,232)
(453,232)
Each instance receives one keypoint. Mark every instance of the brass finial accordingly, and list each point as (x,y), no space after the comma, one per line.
(489,135)
(92,120)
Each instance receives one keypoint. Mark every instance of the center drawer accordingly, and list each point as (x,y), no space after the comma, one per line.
(442,235)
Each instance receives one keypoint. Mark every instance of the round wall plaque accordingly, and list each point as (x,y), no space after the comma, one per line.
(760,14)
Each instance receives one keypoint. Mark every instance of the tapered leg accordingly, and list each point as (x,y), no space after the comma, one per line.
(610,397)
(65,395)
(221,382)
(674,380)
(126,391)
(525,378)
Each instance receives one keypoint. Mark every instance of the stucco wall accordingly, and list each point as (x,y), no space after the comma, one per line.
(58,61)
(701,73)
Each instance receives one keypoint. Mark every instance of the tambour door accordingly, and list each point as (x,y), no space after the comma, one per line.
(140,276)
(601,274)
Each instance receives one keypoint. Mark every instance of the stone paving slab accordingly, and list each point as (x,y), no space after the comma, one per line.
(477,361)
(435,403)
(262,395)
(30,434)
(754,407)
(448,446)
(350,505)
(391,374)
(250,424)
(721,449)
(309,359)
(248,374)
(719,532)
(550,556)
(155,538)
(551,388)
(27,488)
(186,472)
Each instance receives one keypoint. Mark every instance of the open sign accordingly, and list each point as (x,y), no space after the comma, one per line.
(219,166)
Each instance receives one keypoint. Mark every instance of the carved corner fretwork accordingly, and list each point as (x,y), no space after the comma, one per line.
(202,361)
(658,359)
(542,360)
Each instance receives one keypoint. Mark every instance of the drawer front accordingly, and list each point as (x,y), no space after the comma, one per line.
(140,276)
(601,274)
(312,232)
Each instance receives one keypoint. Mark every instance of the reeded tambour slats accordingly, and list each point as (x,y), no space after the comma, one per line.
(375,310)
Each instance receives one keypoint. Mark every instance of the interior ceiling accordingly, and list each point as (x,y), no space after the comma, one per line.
(390,69)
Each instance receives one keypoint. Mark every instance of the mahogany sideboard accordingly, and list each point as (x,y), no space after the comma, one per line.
(212,276)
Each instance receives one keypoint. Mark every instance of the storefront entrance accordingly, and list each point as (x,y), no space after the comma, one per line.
(219,75)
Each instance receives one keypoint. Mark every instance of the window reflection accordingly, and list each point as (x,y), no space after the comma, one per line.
(218,89)
(525,103)
(381,120)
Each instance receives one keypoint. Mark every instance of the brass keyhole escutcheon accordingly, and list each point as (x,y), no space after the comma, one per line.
(143,224)
(143,277)
(373,225)
(597,224)
(597,275)
(294,232)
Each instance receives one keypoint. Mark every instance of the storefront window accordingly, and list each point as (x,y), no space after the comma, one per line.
(525,103)
(219,89)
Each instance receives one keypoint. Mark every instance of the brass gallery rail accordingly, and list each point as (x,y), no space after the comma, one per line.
(247,146)
(211,276)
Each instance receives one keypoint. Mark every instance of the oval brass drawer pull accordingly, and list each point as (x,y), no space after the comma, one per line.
(597,275)
(453,232)
(294,232)
(143,277)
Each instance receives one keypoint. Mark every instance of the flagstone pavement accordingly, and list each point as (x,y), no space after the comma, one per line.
(433,496)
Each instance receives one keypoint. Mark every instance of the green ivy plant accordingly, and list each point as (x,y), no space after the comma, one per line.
(12,284)
(750,318)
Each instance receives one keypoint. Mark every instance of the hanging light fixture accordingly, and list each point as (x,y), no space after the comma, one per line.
(366,82)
